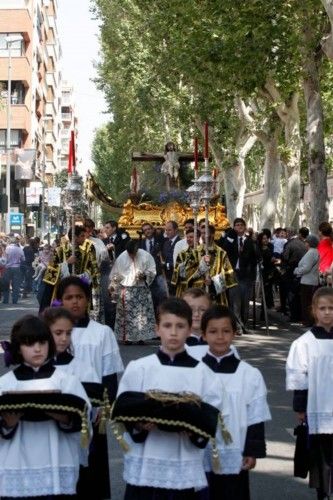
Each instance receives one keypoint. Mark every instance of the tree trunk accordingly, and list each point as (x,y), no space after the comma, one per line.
(289,116)
(234,185)
(315,136)
(327,40)
(293,168)
(234,174)
(272,175)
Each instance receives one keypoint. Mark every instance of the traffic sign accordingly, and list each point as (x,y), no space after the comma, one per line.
(16,222)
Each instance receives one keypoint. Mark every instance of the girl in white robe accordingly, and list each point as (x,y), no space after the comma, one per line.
(248,408)
(310,375)
(39,456)
(96,360)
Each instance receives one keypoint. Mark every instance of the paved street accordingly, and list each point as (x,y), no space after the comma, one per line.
(272,478)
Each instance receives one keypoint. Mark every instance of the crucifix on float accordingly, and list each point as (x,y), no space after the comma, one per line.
(171,159)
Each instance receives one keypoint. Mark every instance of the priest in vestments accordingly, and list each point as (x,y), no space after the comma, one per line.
(131,275)
(213,270)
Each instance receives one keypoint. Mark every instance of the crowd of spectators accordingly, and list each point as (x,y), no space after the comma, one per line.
(290,264)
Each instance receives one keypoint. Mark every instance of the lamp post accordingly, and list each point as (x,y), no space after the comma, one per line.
(42,222)
(73,198)
(194,194)
(9,40)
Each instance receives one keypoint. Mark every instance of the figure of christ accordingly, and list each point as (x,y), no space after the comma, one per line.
(171,165)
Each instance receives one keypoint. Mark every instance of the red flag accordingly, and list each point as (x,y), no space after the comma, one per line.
(71,154)
(73,150)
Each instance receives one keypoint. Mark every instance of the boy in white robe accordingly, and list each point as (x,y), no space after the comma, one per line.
(310,375)
(160,464)
(248,409)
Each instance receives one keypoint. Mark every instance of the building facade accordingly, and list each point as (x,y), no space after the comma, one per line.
(30,55)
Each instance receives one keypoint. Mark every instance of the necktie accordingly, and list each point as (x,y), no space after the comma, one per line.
(151,245)
(241,244)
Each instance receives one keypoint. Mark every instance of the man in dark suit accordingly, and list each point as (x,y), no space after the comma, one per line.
(172,236)
(242,254)
(116,239)
(150,243)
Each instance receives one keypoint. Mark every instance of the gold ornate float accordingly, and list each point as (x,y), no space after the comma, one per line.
(133,216)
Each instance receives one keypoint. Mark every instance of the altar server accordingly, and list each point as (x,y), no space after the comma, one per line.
(310,376)
(248,409)
(162,464)
(97,360)
(39,433)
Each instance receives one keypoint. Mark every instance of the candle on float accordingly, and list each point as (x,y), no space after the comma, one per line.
(195,154)
(206,141)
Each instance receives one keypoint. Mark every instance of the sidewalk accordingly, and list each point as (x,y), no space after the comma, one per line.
(9,313)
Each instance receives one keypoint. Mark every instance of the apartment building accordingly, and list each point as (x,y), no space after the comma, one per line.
(69,122)
(30,49)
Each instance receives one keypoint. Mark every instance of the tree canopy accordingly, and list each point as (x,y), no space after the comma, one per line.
(167,66)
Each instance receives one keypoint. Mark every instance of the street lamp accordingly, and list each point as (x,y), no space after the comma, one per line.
(206,184)
(10,40)
(194,195)
(73,199)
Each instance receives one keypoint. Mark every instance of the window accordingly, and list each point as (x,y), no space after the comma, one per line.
(15,138)
(16,48)
(18,91)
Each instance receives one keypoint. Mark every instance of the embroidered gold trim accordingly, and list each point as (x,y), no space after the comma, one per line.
(170,398)
(55,407)
(163,421)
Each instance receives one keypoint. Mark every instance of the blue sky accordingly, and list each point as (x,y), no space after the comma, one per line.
(79,40)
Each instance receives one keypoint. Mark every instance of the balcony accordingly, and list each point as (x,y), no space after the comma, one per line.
(50,167)
(21,70)
(20,118)
(64,147)
(66,117)
(23,21)
(50,109)
(66,101)
(53,51)
(50,79)
(65,133)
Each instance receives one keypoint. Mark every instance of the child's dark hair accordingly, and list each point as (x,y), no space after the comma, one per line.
(218,312)
(27,331)
(175,306)
(52,314)
(72,281)
(196,293)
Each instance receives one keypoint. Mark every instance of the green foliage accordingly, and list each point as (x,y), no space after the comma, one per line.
(168,65)
(61,178)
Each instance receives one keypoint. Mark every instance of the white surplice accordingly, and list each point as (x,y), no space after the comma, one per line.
(168,459)
(310,366)
(40,459)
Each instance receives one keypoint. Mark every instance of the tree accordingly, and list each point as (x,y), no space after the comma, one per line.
(168,66)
